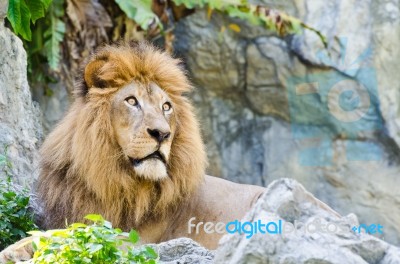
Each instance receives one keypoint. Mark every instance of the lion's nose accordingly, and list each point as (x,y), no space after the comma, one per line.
(158,135)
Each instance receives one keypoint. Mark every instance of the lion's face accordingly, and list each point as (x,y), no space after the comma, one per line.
(142,117)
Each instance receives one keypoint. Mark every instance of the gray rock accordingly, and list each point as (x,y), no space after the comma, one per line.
(288,201)
(183,250)
(20,127)
(52,106)
(3,9)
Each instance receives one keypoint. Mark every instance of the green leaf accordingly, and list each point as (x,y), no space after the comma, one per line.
(54,35)
(77,225)
(95,218)
(107,224)
(46,3)
(25,32)
(36,9)
(9,195)
(14,14)
(151,253)
(133,236)
(94,247)
(139,11)
(19,16)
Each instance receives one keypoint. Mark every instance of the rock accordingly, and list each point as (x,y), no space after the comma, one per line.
(183,250)
(3,9)
(288,201)
(20,127)
(52,106)
(262,119)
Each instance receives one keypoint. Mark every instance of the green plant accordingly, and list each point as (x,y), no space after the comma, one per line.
(41,27)
(44,50)
(139,11)
(21,13)
(15,219)
(96,243)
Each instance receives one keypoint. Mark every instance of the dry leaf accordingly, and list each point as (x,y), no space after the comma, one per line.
(234,27)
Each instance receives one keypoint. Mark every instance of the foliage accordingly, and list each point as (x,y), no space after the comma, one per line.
(21,13)
(15,219)
(45,47)
(276,21)
(44,42)
(41,26)
(96,243)
(139,11)
(54,34)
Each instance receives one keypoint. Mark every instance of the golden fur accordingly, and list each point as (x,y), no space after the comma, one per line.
(82,170)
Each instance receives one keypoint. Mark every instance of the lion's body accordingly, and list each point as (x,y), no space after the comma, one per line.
(86,169)
(216,200)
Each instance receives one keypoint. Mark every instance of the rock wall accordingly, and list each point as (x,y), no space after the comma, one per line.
(21,131)
(309,232)
(273,108)
(54,106)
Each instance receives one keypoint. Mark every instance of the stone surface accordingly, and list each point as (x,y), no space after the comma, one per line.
(262,119)
(288,201)
(183,250)
(52,106)
(20,126)
(3,9)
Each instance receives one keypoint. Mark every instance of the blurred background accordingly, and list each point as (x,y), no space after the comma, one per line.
(304,89)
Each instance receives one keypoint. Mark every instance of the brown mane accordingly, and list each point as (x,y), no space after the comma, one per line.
(82,170)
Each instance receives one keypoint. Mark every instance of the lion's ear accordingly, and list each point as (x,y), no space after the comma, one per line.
(92,74)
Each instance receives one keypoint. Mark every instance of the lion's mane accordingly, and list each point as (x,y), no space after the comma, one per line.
(82,168)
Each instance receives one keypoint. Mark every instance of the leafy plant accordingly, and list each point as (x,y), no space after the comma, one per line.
(44,50)
(139,11)
(21,13)
(40,24)
(96,243)
(15,219)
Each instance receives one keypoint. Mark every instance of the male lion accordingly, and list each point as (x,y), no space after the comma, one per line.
(130,149)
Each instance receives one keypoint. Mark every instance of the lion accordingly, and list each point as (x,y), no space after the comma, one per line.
(130,149)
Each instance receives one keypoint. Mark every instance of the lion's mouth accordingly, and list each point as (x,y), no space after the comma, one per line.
(155,155)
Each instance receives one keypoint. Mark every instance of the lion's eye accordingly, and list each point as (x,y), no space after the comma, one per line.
(166,107)
(132,100)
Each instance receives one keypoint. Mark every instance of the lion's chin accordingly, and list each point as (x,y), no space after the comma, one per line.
(152,169)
